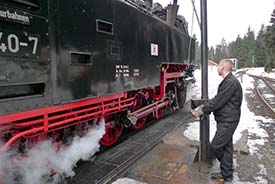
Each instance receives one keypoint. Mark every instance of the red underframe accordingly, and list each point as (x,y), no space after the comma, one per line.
(44,120)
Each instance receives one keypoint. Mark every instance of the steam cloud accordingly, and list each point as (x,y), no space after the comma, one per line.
(43,158)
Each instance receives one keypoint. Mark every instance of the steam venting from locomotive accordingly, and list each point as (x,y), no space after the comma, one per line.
(43,159)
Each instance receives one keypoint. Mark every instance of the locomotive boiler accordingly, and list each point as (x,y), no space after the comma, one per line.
(64,64)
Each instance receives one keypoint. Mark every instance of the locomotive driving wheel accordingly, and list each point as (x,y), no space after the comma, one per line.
(181,94)
(140,123)
(112,133)
(160,113)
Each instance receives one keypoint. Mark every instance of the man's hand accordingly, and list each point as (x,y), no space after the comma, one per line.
(197,112)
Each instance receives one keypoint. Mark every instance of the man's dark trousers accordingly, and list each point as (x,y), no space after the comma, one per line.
(222,146)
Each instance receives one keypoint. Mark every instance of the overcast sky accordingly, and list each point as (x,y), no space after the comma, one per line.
(228,18)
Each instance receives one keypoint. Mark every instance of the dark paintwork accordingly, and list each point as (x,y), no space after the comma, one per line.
(71,25)
(21,72)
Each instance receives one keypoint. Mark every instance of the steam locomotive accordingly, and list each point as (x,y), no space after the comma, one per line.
(66,64)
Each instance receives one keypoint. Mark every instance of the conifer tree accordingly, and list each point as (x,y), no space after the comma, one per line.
(260,50)
(197,53)
(269,41)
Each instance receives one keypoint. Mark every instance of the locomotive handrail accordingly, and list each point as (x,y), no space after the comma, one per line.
(48,121)
(59,108)
(17,136)
(52,118)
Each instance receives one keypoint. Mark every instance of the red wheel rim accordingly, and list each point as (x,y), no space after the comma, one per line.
(140,123)
(112,134)
(160,113)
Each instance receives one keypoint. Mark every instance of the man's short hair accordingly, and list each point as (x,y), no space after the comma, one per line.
(228,64)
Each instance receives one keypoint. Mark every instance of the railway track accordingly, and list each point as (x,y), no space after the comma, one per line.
(265,89)
(110,164)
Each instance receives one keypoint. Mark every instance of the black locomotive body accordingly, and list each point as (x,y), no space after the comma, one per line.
(59,57)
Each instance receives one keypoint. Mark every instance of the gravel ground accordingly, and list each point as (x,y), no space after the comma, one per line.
(258,168)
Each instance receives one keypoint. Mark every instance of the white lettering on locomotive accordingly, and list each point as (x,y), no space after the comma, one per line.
(14,16)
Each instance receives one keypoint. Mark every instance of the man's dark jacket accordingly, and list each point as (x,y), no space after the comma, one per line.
(226,105)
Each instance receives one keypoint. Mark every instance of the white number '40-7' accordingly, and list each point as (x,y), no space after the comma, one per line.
(14,43)
(35,39)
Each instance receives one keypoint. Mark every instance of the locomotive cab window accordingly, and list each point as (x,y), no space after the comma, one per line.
(31,5)
(81,58)
(104,27)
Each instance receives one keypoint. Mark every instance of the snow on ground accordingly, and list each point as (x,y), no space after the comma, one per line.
(236,179)
(249,121)
(260,72)
(213,82)
(127,181)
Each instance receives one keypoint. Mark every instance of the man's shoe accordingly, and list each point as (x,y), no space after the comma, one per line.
(228,179)
(216,175)
(220,176)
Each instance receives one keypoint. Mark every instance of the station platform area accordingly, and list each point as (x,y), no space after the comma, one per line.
(172,161)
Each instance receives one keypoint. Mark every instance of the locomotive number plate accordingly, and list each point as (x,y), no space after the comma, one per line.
(19,44)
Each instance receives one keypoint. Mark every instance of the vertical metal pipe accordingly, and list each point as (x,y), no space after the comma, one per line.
(204,121)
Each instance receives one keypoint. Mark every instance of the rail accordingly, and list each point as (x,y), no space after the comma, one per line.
(136,156)
(268,104)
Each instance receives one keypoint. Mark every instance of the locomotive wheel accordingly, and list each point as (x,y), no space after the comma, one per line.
(160,113)
(112,133)
(140,123)
(181,95)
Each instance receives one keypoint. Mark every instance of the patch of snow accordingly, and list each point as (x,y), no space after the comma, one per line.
(192,131)
(236,179)
(260,177)
(268,96)
(213,81)
(260,72)
(127,181)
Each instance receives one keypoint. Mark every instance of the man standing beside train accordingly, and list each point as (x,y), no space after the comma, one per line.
(226,106)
